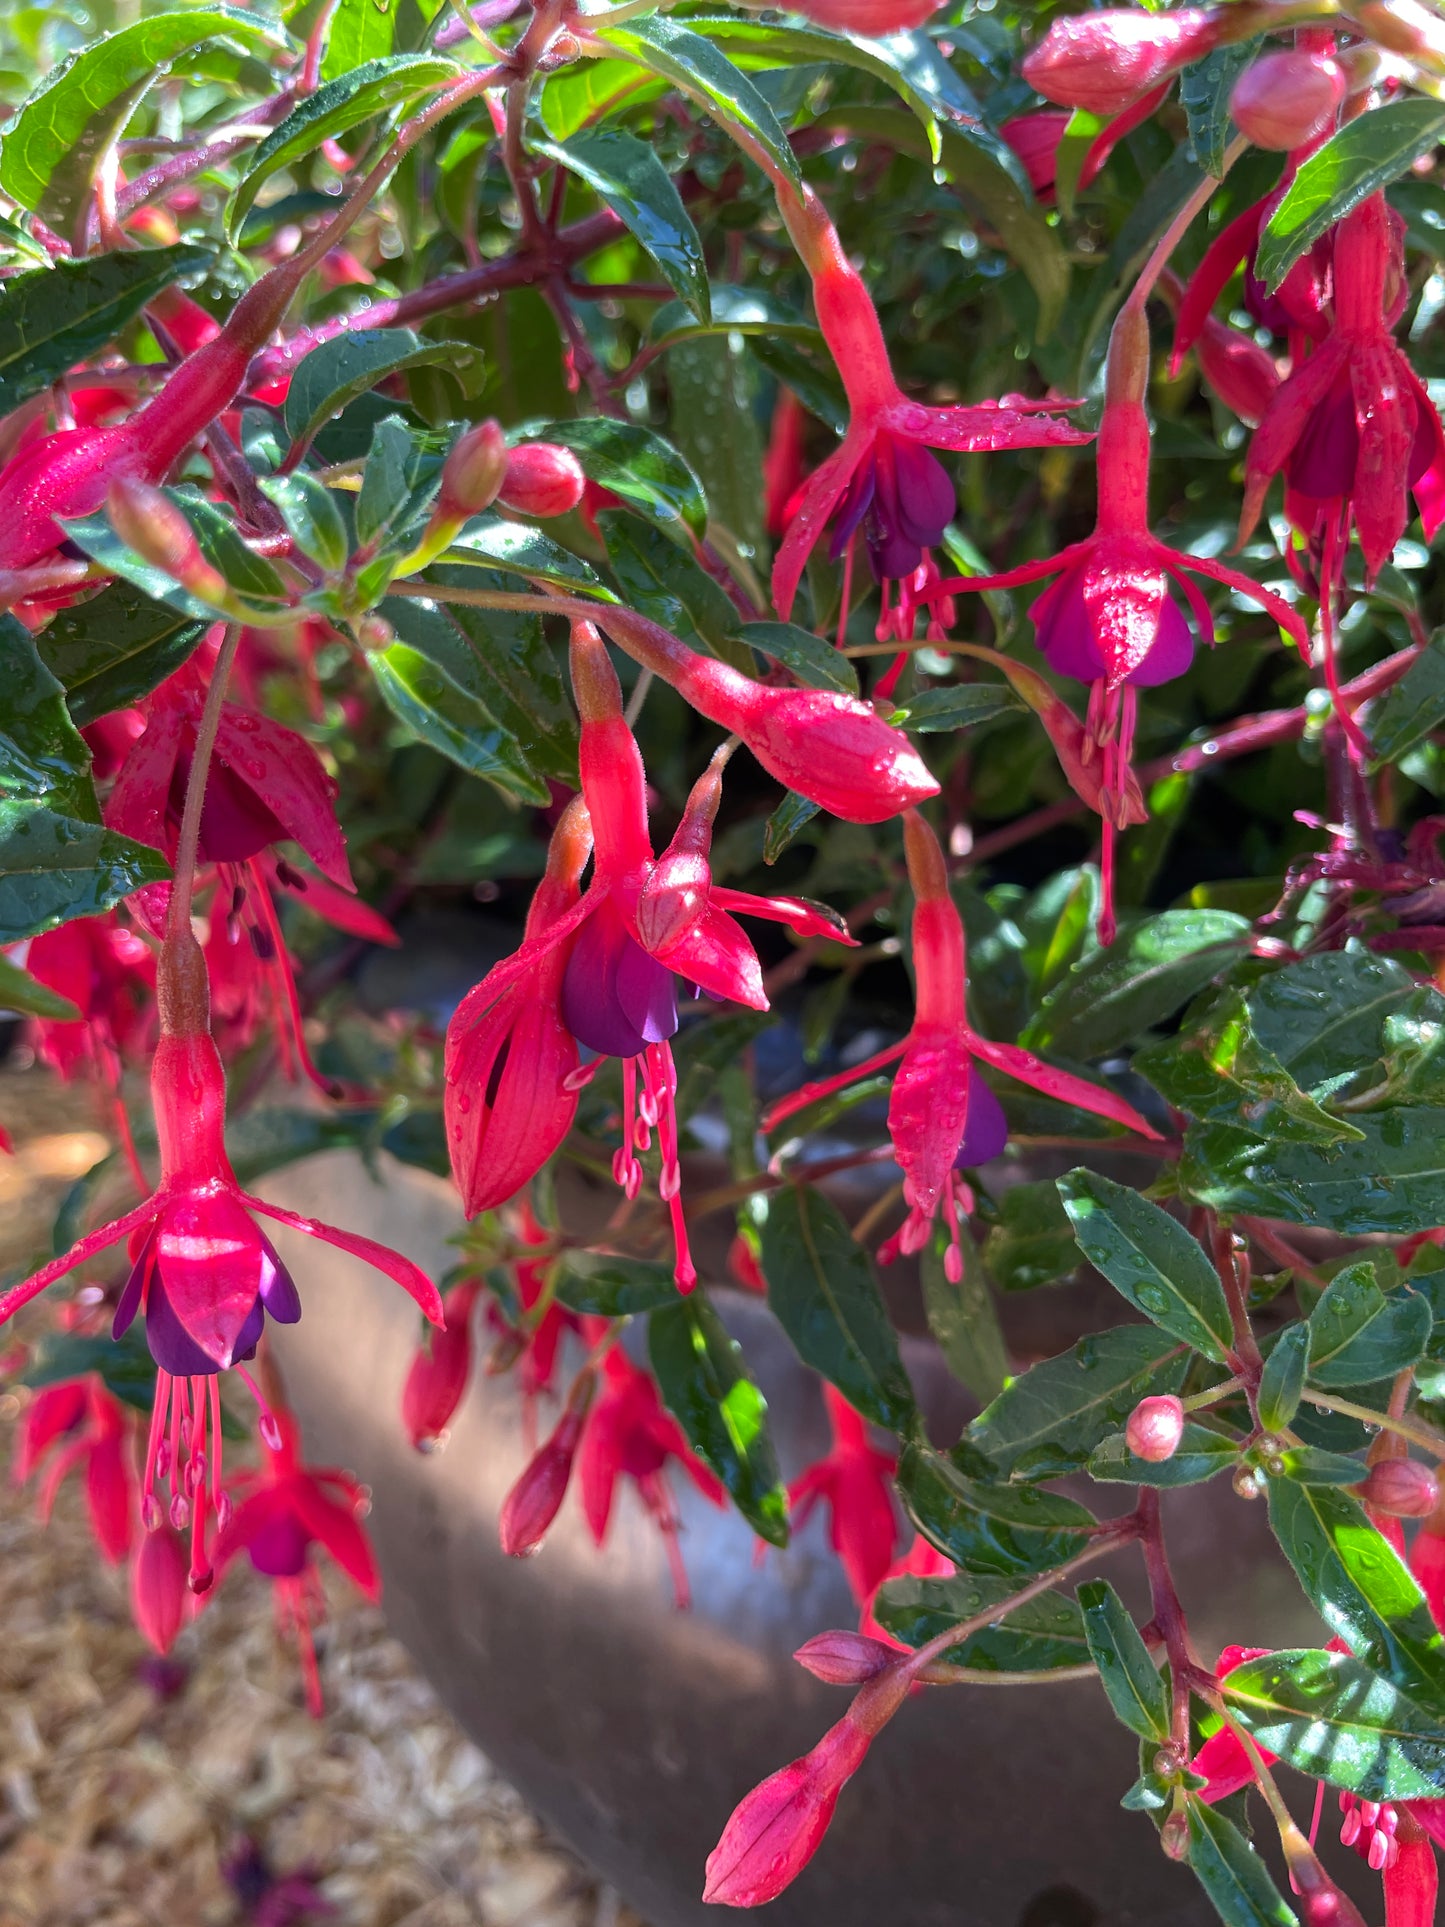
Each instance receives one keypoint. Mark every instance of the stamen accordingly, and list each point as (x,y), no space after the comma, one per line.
(269,1429)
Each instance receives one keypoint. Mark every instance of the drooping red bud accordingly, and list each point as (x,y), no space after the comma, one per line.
(1155,1428)
(1402,1487)
(1104,61)
(535,1500)
(835,750)
(438,1375)
(542,479)
(868,17)
(1287,97)
(158,1588)
(841,1658)
(147,521)
(1240,372)
(473,473)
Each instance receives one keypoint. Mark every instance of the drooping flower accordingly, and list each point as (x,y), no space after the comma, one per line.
(92,1430)
(160,1597)
(438,1374)
(599,970)
(937,1115)
(854,1479)
(282,1513)
(536,1496)
(1103,61)
(1288,98)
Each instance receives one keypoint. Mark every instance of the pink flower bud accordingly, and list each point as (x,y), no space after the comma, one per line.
(1240,372)
(542,479)
(535,1500)
(147,521)
(439,1372)
(1104,61)
(835,750)
(868,17)
(473,473)
(1155,1428)
(1287,97)
(841,1658)
(1402,1487)
(158,1589)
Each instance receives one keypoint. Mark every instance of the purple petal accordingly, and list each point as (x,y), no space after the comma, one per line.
(1324,458)
(1267,309)
(1063,632)
(278,1546)
(646,991)
(985,1131)
(615,998)
(173,1348)
(926,499)
(131,1298)
(1171,651)
(278,1291)
(857,499)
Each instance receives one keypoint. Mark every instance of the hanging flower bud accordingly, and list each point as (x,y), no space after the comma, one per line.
(473,473)
(1103,61)
(1287,98)
(542,479)
(535,1500)
(439,1371)
(148,521)
(158,1589)
(1155,1428)
(1240,372)
(842,1658)
(870,18)
(1404,1488)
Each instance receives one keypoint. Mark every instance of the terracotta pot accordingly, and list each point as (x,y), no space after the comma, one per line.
(634,1729)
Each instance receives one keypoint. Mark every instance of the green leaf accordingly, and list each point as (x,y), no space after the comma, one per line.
(735,310)
(56,317)
(1409,712)
(813,660)
(51,147)
(349,365)
(54,867)
(1204,90)
(1359,1586)
(250,575)
(1392,1179)
(1231,1872)
(19,991)
(1150,1259)
(1008,1530)
(584,93)
(41,750)
(823,1292)
(961,705)
(1043,1636)
(637,465)
(1331,1717)
(607,1286)
(114,648)
(1414,1040)
(1365,155)
(1201,1454)
(1119,992)
(1033,1242)
(435,696)
(1051,1418)
(1358,1335)
(494,542)
(505,661)
(343,103)
(696,68)
(712,416)
(962,1317)
(125,1365)
(791,815)
(358,31)
(398,485)
(1136,1692)
(312,518)
(700,1373)
(626,174)
(1312,1465)
(1283,1378)
(660,582)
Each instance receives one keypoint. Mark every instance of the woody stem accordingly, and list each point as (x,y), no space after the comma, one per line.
(178,916)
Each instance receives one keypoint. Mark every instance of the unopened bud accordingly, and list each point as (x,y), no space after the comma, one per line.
(535,1500)
(1287,97)
(439,1371)
(871,18)
(158,1587)
(1402,1487)
(149,522)
(473,472)
(375,633)
(1104,61)
(841,1658)
(1321,1902)
(1240,372)
(1155,1428)
(542,479)
(1174,1836)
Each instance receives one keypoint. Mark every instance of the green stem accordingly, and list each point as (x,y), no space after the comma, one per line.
(1418,1433)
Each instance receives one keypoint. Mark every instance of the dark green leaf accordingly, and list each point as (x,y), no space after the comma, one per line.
(1392,1179)
(1117,993)
(1204,90)
(1051,1418)
(1365,155)
(398,485)
(440,705)
(54,867)
(1200,1455)
(1414,1041)
(343,103)
(125,1366)
(791,815)
(962,1316)
(607,1286)
(813,660)
(1359,1586)
(1033,1242)
(1408,713)
(94,535)
(1312,1465)
(494,542)
(1150,1259)
(740,311)
(822,1289)
(114,648)
(1231,1872)
(700,1373)
(1283,1378)
(626,174)
(1043,1636)
(1334,1719)
(19,991)
(637,465)
(1009,1530)
(41,750)
(52,146)
(1358,1335)
(1126,1672)
(661,582)
(960,706)
(347,366)
(712,416)
(58,316)
(312,518)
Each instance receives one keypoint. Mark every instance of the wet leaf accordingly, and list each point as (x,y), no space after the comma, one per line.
(813,660)
(1129,1677)
(1334,1719)
(1283,1378)
(647,472)
(962,1317)
(660,582)
(1357,1334)
(349,365)
(605,1285)
(114,648)
(1116,994)
(54,867)
(1007,1530)
(1231,1872)
(1201,1454)
(1033,1242)
(1045,1635)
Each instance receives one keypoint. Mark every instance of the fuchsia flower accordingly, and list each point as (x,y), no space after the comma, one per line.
(93,1432)
(202,1273)
(642,921)
(160,1598)
(1104,61)
(855,1481)
(1354,428)
(438,1374)
(883,479)
(285,1510)
(942,1115)
(108,973)
(1111,618)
